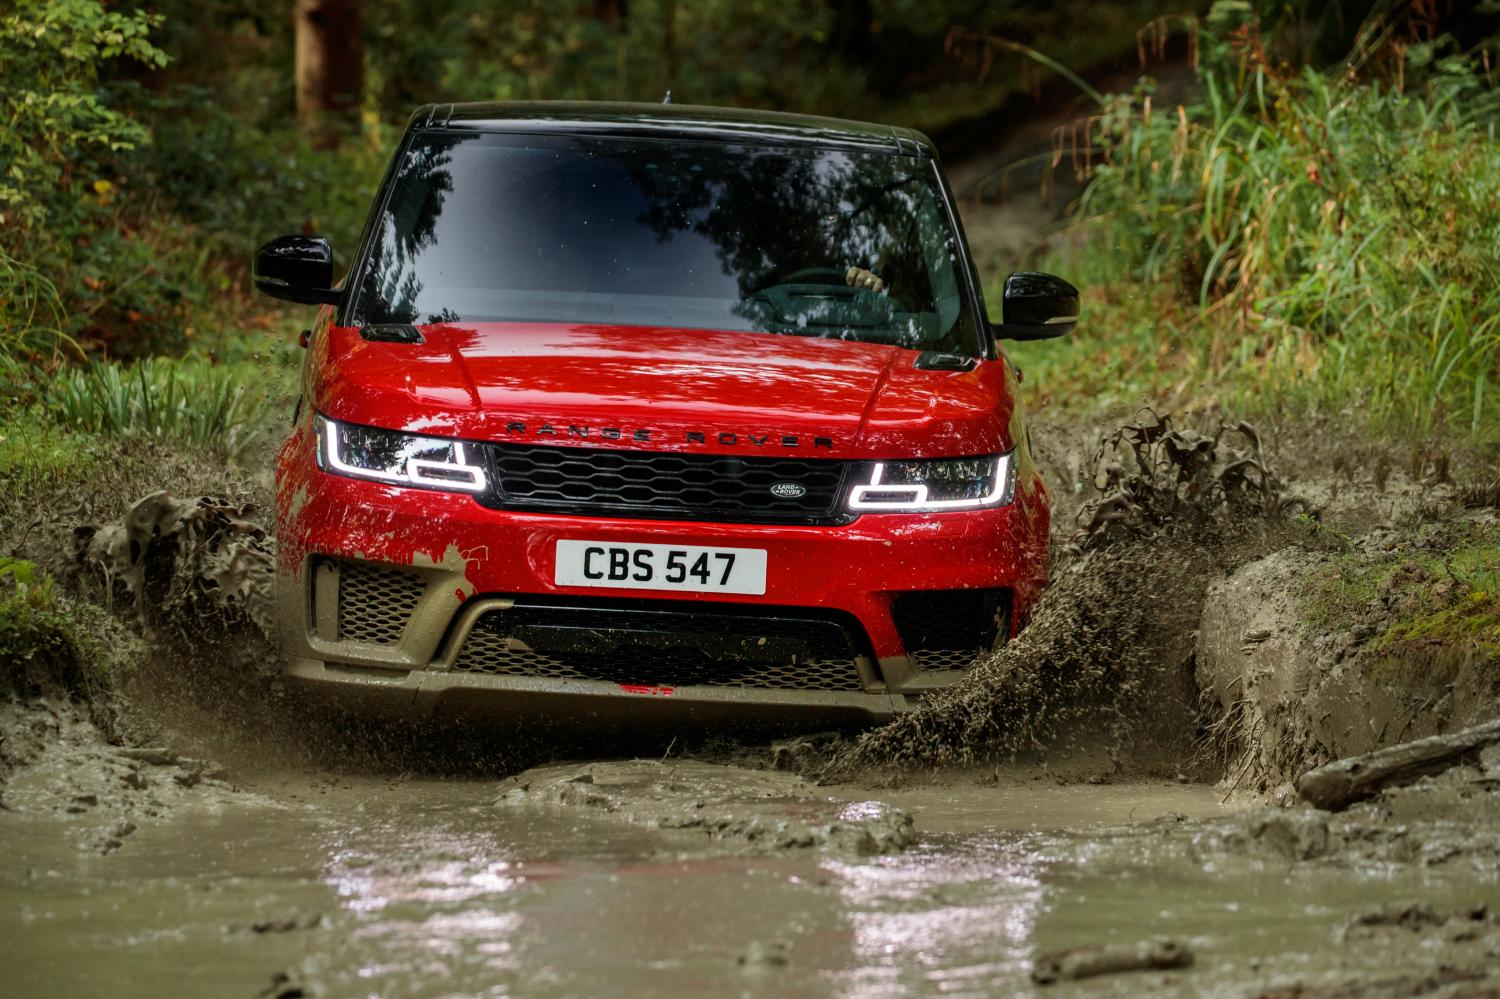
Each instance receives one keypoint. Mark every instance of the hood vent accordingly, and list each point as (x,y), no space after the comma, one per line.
(391,333)
(936,360)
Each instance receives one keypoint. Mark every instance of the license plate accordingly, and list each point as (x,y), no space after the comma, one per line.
(661,567)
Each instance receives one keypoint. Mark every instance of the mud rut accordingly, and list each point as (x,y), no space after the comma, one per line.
(1052,813)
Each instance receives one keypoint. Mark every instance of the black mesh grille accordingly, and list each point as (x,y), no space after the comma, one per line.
(645,644)
(650,484)
(950,629)
(375,601)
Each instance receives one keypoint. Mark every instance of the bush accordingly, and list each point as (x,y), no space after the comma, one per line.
(72,265)
(239,182)
(1330,237)
(57,128)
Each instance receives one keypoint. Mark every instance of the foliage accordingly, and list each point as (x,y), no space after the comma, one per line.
(31,319)
(242,186)
(73,264)
(51,53)
(1335,239)
(881,59)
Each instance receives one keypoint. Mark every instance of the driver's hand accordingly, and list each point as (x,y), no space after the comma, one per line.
(858,277)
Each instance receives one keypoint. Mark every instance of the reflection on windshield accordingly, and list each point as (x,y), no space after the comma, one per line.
(638,232)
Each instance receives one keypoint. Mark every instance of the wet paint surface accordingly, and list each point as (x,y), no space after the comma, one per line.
(426,888)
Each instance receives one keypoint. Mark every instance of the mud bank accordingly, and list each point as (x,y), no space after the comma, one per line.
(1109,651)
(1294,683)
(1210,619)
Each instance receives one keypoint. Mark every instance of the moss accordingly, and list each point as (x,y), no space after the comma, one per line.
(1336,595)
(1430,609)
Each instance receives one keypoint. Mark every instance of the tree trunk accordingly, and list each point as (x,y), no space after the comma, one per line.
(851,28)
(330,65)
(611,12)
(669,41)
(1335,786)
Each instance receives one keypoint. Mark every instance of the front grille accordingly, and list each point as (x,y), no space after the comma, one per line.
(950,629)
(376,601)
(649,484)
(643,643)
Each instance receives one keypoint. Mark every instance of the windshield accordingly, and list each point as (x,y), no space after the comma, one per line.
(487,227)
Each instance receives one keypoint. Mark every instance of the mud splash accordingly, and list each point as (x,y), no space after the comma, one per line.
(193,566)
(1111,644)
(1155,481)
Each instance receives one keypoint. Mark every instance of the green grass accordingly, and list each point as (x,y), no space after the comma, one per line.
(35,451)
(79,444)
(31,313)
(219,407)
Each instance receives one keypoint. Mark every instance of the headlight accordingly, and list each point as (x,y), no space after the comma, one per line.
(392,456)
(935,485)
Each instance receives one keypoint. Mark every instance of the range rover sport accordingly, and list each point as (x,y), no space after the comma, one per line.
(655,411)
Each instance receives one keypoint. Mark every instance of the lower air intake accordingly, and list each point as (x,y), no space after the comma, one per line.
(376,601)
(648,645)
(950,629)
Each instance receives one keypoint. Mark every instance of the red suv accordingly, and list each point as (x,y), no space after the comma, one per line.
(655,410)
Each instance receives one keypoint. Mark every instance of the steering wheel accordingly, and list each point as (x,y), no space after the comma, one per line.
(813,275)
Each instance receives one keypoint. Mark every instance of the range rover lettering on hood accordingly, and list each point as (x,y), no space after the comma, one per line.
(725,438)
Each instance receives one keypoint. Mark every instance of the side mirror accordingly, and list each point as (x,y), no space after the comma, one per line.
(1037,307)
(296,269)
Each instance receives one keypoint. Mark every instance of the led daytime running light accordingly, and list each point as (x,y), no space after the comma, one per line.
(457,475)
(916,493)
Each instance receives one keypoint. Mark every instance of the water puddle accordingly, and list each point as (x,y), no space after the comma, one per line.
(370,887)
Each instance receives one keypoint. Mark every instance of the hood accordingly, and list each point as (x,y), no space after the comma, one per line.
(663,390)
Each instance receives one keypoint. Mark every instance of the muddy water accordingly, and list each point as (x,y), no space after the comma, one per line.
(370,887)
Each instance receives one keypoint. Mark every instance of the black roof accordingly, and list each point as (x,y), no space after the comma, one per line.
(670,120)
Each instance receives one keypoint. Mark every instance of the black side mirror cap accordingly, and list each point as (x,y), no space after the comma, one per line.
(1037,307)
(296,269)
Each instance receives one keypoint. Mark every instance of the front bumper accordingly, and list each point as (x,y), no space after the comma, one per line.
(458,561)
